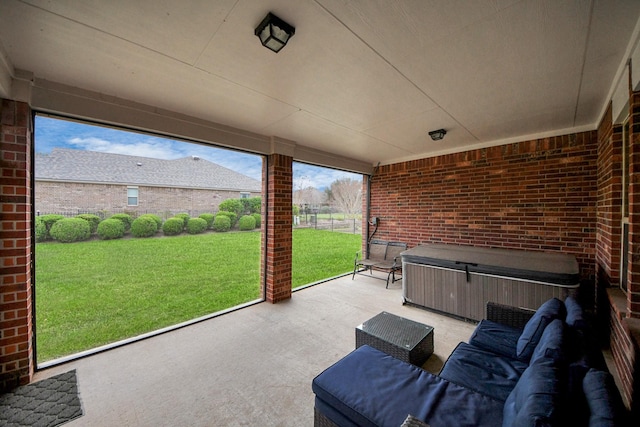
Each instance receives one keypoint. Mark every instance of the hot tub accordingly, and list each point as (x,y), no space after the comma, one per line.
(459,280)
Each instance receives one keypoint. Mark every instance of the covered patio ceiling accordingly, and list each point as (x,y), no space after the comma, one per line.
(361,79)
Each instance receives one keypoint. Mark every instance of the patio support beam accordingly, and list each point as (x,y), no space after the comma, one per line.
(16,300)
(277,253)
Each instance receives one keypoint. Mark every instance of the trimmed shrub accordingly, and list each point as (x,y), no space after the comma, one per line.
(221,223)
(247,223)
(126,220)
(49,220)
(41,230)
(255,204)
(209,218)
(233,218)
(258,219)
(143,226)
(69,230)
(93,221)
(232,205)
(110,229)
(196,226)
(185,218)
(154,217)
(173,226)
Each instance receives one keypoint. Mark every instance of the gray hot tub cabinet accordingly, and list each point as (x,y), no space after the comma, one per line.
(460,280)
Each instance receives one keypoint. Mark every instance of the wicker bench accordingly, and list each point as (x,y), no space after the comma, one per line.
(382,256)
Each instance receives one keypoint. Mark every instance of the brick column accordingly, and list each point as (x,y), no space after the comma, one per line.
(633,284)
(16,327)
(277,256)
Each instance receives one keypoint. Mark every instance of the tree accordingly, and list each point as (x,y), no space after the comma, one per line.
(346,195)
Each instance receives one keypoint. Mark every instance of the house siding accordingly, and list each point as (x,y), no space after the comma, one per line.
(74,198)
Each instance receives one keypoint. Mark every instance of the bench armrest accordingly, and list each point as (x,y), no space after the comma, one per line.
(508,315)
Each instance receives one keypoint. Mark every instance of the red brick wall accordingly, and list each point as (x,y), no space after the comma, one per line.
(609,201)
(279,224)
(535,195)
(60,197)
(16,363)
(633,283)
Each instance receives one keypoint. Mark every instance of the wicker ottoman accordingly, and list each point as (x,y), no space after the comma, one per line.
(401,338)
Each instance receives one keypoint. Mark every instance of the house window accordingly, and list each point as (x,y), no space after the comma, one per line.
(132,196)
(245,195)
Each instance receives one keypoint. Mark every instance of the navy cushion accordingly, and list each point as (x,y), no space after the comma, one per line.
(483,371)
(496,337)
(603,398)
(370,388)
(550,310)
(575,315)
(535,399)
(551,342)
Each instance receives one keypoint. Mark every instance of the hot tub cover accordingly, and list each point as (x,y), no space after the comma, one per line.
(553,268)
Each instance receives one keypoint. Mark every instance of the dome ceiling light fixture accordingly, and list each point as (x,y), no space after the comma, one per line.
(274,33)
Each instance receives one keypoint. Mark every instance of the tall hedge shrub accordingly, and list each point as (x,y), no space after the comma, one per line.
(110,229)
(143,227)
(232,205)
(69,230)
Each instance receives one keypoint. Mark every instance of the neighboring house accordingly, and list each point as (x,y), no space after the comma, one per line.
(76,181)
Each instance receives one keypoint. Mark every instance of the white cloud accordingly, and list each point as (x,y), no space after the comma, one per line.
(155,149)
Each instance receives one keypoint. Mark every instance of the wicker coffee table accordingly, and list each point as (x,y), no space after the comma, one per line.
(401,338)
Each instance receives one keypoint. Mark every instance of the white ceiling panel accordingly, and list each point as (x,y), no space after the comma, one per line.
(178,29)
(365,79)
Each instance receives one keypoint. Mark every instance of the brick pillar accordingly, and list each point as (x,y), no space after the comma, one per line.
(16,327)
(277,257)
(633,284)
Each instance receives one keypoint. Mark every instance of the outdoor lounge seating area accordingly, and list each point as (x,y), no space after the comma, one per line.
(518,368)
(492,125)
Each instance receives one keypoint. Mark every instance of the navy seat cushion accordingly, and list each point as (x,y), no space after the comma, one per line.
(535,399)
(551,344)
(575,315)
(370,388)
(605,404)
(550,310)
(483,371)
(496,337)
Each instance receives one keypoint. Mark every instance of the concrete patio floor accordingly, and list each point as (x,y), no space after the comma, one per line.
(253,366)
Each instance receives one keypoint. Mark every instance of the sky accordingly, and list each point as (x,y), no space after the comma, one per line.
(56,133)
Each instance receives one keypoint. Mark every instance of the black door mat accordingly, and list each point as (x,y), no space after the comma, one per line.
(49,403)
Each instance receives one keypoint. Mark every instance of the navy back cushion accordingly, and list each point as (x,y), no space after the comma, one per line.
(605,404)
(550,310)
(551,342)
(575,315)
(534,400)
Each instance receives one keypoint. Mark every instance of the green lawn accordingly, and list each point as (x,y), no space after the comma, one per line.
(97,292)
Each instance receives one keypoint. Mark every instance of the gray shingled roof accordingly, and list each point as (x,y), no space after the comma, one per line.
(68,165)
